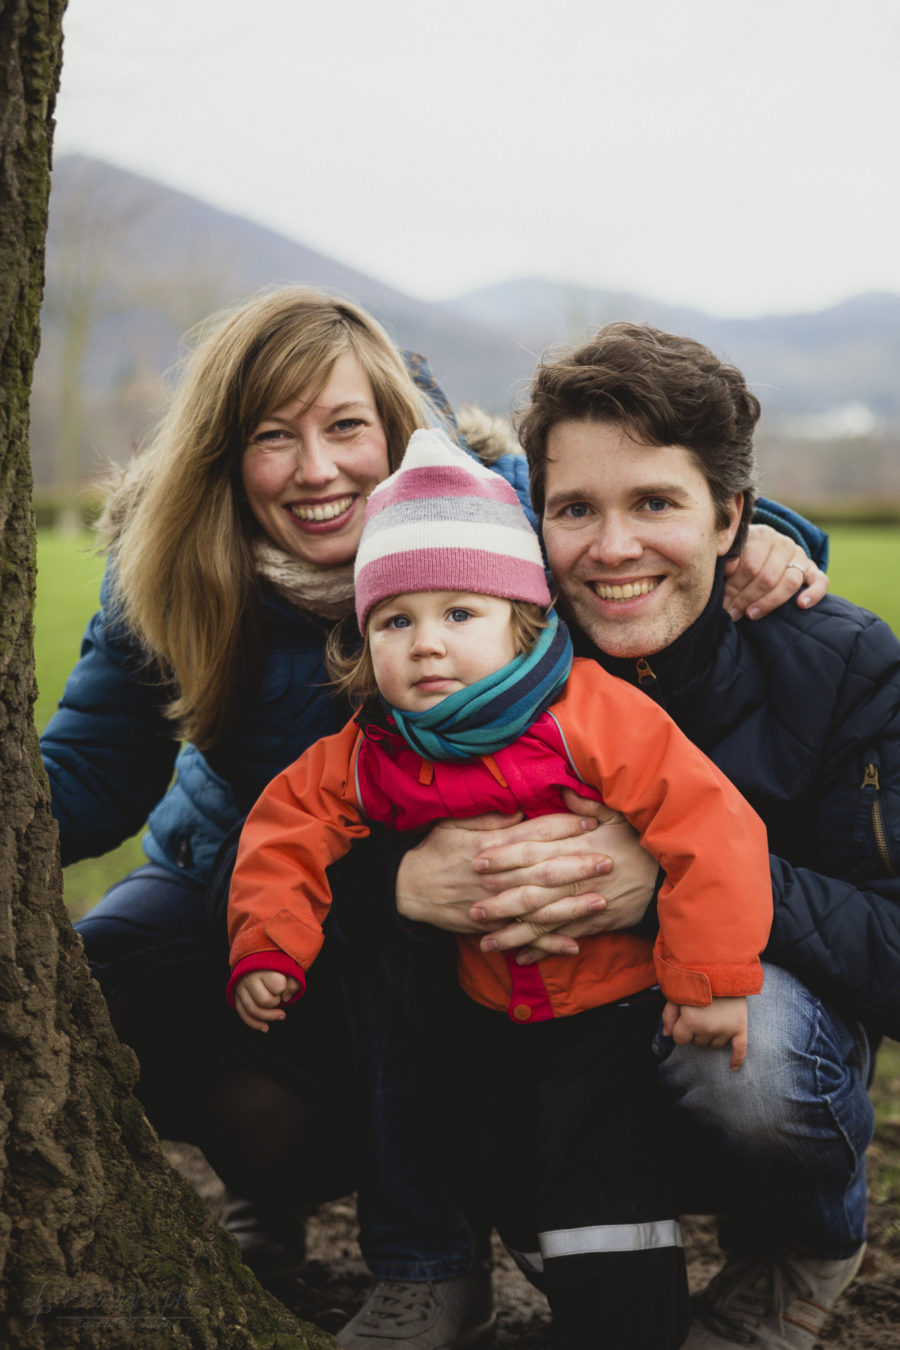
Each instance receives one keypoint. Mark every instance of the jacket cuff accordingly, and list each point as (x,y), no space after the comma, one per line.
(270,960)
(698,988)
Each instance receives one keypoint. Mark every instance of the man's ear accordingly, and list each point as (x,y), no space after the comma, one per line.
(728,532)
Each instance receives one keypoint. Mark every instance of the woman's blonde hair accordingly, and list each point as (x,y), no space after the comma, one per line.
(354,675)
(178,526)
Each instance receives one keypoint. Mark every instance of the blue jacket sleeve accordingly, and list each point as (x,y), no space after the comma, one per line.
(798,528)
(837,927)
(109,749)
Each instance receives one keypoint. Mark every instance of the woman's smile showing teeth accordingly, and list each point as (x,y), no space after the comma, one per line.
(320,511)
(626,591)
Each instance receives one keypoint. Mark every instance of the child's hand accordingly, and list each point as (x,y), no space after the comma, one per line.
(259,997)
(723,1020)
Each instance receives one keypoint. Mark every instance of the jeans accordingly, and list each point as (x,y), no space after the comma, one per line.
(790,1128)
(412,1208)
(151,920)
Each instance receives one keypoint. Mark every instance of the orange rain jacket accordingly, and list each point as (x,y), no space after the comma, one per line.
(602,737)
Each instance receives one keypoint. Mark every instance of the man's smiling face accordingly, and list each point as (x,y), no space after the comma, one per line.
(631,534)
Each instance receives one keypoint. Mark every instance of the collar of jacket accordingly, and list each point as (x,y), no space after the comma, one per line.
(677,668)
(375,722)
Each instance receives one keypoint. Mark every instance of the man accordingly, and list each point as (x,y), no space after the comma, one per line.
(642,469)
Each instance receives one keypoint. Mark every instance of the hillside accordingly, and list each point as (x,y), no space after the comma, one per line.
(801,364)
(132,264)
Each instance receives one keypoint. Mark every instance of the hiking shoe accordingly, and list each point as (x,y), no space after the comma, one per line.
(272,1244)
(780,1303)
(426,1315)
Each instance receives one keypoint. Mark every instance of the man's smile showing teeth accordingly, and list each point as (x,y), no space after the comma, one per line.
(326,511)
(626,592)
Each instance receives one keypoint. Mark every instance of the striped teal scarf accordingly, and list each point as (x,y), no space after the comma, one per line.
(491,714)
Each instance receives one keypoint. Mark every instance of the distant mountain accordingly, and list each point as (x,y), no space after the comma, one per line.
(131,265)
(159,260)
(797,363)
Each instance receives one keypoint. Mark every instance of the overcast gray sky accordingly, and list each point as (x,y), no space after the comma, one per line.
(738,155)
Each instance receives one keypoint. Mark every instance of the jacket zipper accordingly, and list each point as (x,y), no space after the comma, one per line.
(872,784)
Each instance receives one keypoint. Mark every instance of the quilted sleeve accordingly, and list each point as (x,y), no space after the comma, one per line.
(109,749)
(837,927)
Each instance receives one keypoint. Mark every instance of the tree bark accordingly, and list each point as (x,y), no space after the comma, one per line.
(101,1243)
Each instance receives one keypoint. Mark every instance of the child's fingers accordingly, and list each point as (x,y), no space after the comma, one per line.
(738,1049)
(256,1015)
(251,1019)
(669,1018)
(270,987)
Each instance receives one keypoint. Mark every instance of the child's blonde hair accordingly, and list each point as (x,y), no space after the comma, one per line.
(354,674)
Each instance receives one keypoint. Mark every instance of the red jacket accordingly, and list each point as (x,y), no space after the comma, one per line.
(603,737)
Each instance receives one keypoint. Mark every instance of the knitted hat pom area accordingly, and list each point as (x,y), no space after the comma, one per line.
(444,522)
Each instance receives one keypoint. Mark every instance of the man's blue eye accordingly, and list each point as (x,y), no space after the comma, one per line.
(657,504)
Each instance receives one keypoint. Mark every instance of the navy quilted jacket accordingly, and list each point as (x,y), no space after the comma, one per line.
(802,711)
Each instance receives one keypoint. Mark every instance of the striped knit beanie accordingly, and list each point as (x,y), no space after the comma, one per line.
(443,522)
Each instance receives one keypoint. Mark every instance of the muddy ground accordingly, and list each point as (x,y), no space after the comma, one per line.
(866,1318)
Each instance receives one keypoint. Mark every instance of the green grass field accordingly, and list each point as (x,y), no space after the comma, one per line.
(864,564)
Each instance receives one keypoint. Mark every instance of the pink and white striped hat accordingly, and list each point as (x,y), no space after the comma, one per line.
(443,522)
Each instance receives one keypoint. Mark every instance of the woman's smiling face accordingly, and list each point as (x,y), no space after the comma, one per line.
(309,467)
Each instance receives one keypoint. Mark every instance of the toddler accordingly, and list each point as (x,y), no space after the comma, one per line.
(471,702)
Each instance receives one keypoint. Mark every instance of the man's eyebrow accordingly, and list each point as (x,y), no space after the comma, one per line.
(565,496)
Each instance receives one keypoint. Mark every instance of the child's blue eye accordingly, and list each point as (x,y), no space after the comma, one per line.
(460,615)
(398,621)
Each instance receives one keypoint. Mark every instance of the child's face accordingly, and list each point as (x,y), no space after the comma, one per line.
(428,644)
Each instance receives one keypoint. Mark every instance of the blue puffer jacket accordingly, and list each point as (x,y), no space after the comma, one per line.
(802,711)
(109,751)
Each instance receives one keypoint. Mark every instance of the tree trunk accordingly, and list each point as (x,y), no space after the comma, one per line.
(101,1243)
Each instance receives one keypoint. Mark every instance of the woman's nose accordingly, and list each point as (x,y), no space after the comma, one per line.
(315,464)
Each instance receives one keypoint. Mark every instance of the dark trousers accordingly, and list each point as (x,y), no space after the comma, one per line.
(273,1113)
(568,1143)
(276,1114)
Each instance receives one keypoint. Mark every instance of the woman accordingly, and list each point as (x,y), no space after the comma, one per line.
(231,541)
